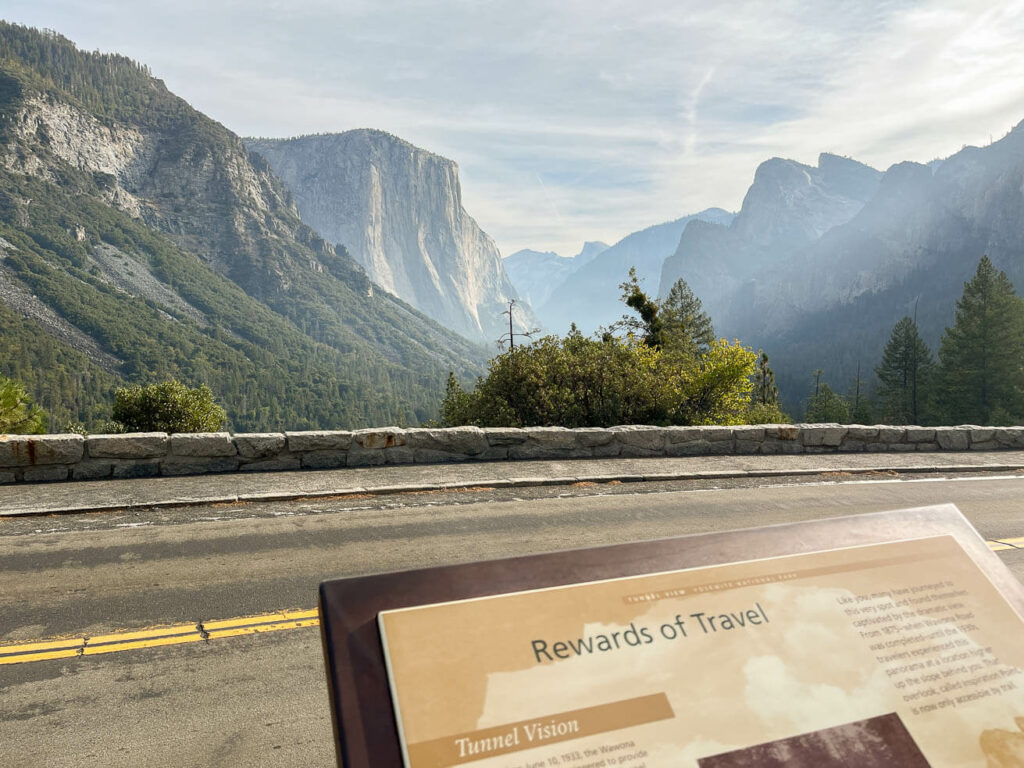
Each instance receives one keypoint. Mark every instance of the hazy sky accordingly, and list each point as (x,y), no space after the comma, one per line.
(578,120)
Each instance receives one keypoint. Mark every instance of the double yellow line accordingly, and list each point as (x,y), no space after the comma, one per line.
(174,634)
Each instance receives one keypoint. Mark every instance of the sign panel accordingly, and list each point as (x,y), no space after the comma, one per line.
(886,639)
(897,654)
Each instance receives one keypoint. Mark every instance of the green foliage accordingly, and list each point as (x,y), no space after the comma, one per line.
(19,415)
(305,366)
(688,328)
(588,382)
(678,325)
(826,406)
(657,374)
(765,391)
(906,374)
(713,389)
(307,347)
(982,355)
(650,324)
(764,405)
(169,406)
(759,413)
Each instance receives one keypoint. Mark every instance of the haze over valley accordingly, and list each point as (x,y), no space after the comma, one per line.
(336,278)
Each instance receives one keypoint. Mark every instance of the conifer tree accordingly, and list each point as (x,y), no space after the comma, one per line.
(765,390)
(685,321)
(19,415)
(906,373)
(650,323)
(982,355)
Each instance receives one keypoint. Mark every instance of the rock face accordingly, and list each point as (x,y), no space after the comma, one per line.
(589,297)
(789,206)
(398,210)
(536,274)
(821,263)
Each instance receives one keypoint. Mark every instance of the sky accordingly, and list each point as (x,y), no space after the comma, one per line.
(576,120)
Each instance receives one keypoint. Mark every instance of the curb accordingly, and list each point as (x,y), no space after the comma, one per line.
(519,482)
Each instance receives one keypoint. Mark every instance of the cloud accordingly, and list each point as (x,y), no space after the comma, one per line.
(585,120)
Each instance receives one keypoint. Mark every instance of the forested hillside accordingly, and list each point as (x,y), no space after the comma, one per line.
(141,241)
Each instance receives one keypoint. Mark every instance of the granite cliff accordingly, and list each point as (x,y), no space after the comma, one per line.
(398,210)
(788,206)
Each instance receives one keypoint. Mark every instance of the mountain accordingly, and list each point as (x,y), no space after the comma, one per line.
(788,206)
(141,240)
(398,210)
(909,251)
(817,287)
(590,251)
(590,297)
(536,274)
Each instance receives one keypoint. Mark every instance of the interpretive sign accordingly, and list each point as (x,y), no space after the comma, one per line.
(880,640)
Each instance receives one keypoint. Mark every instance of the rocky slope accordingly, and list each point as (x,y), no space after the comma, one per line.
(589,297)
(153,231)
(398,210)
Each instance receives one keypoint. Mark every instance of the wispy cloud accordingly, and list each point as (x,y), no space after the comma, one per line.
(585,119)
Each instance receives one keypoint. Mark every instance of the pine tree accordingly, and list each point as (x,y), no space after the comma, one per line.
(650,323)
(906,373)
(19,415)
(765,390)
(826,406)
(686,323)
(982,355)
(861,410)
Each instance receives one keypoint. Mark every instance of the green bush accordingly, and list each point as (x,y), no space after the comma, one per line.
(167,407)
(18,413)
(589,382)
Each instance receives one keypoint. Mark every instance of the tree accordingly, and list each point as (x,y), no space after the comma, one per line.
(765,390)
(167,407)
(905,373)
(19,414)
(650,326)
(826,406)
(687,327)
(764,403)
(861,410)
(982,355)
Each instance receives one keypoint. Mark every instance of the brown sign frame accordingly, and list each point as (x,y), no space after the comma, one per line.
(366,735)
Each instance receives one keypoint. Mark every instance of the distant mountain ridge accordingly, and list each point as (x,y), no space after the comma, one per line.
(590,296)
(398,210)
(536,274)
(821,283)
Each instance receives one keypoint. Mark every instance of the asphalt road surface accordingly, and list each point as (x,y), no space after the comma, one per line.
(260,700)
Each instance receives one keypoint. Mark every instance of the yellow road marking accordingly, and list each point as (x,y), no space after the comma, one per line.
(1000,545)
(174,634)
(177,634)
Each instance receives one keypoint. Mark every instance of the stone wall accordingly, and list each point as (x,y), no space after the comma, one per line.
(43,458)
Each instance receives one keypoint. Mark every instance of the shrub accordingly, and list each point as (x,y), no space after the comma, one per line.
(167,407)
(590,382)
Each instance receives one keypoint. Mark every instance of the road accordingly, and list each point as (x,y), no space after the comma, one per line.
(260,699)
